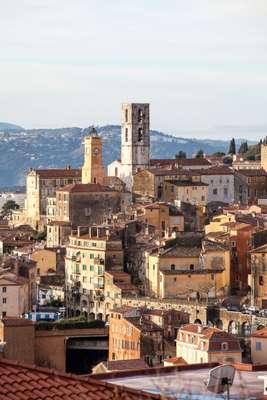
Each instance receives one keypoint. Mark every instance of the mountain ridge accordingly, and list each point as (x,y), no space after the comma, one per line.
(49,148)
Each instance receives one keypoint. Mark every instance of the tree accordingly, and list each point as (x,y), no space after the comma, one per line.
(200,154)
(8,207)
(218,154)
(181,154)
(232,147)
(243,148)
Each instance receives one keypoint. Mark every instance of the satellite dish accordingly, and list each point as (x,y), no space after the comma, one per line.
(220,379)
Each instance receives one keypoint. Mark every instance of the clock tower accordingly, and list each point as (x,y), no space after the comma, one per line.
(93,169)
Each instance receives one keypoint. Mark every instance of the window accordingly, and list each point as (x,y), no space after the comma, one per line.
(192,267)
(174,279)
(4,300)
(3,314)
(140,134)
(215,191)
(258,346)
(224,346)
(126,120)
(4,289)
(172,267)
(126,134)
(140,115)
(84,267)
(91,268)
(261,281)
(91,256)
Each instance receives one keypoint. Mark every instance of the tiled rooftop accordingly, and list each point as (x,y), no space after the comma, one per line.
(22,382)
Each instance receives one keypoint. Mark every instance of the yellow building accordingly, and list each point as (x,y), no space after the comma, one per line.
(264,154)
(218,223)
(93,169)
(189,271)
(259,347)
(166,218)
(196,344)
(195,193)
(88,255)
(258,276)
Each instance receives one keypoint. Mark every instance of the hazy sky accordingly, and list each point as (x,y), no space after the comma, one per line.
(202,64)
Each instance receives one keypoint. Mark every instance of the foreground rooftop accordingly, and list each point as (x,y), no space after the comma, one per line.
(187,382)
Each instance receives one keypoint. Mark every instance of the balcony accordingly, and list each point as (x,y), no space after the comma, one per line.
(99,261)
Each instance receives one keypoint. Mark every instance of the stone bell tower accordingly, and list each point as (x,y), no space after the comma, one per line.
(93,169)
(135,138)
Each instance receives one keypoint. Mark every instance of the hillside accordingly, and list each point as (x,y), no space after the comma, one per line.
(5,126)
(48,148)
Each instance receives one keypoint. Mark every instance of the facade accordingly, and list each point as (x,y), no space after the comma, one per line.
(14,295)
(264,154)
(18,334)
(166,218)
(250,184)
(88,256)
(189,271)
(135,142)
(196,344)
(258,276)
(41,184)
(133,336)
(221,184)
(195,193)
(259,347)
(93,169)
(83,205)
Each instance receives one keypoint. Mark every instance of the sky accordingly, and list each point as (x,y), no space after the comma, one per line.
(201,64)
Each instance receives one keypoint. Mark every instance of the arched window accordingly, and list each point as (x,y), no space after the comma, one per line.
(140,134)
(126,115)
(126,134)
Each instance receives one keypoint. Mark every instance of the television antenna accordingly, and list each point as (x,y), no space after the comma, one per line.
(221,379)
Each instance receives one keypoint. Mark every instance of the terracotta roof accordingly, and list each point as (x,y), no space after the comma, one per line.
(13,279)
(85,188)
(14,321)
(59,173)
(217,170)
(167,172)
(176,360)
(261,249)
(180,161)
(260,333)
(20,381)
(252,172)
(187,183)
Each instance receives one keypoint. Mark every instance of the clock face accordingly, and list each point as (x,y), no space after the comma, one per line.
(96,151)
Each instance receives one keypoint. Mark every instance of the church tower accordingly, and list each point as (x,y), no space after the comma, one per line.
(135,139)
(264,154)
(93,169)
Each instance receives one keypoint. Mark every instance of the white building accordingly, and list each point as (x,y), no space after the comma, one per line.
(135,142)
(221,183)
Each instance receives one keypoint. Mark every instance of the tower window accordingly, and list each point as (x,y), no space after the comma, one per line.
(140,134)
(116,171)
(126,134)
(140,115)
(126,115)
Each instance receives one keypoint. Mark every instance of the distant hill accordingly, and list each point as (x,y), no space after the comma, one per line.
(5,126)
(49,148)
